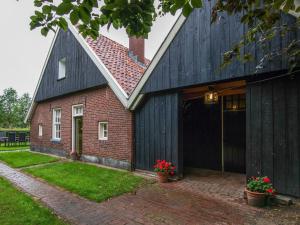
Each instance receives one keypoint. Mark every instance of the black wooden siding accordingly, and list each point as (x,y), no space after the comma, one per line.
(157,131)
(81,72)
(273,133)
(195,54)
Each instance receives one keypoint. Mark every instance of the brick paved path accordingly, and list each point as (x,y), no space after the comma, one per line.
(153,204)
(229,186)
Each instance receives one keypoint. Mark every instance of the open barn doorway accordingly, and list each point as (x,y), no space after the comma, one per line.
(214,133)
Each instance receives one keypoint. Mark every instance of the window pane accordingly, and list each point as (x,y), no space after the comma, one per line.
(103,131)
(62,68)
(56,123)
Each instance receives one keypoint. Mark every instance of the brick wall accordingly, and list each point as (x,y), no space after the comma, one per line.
(99,105)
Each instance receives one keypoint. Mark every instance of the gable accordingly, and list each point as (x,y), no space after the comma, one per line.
(81,71)
(195,54)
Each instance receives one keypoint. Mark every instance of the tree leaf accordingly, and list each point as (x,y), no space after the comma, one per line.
(63,23)
(46,9)
(196,3)
(44,31)
(64,8)
(84,15)
(187,9)
(74,17)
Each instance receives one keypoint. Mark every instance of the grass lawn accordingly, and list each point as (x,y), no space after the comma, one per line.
(21,159)
(16,208)
(11,148)
(92,182)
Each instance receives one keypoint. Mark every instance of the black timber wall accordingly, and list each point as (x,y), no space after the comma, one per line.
(273,133)
(195,54)
(157,130)
(81,72)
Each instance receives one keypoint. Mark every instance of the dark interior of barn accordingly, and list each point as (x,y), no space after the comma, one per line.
(214,133)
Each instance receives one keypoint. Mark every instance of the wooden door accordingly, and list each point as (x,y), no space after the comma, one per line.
(78,135)
(202,135)
(235,135)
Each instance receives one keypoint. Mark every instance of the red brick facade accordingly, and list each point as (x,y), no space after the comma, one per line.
(98,105)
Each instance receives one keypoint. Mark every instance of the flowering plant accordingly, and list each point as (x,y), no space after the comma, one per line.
(162,166)
(261,185)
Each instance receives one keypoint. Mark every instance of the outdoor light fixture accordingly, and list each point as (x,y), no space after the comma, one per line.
(211,97)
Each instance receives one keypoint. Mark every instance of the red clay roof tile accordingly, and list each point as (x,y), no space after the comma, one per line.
(115,57)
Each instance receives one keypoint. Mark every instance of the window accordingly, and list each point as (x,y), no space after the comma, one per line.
(62,68)
(56,128)
(78,110)
(103,130)
(40,130)
(234,102)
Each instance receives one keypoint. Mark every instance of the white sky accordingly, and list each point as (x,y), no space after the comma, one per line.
(23,52)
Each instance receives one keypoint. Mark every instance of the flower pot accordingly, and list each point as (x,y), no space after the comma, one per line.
(256,199)
(163,177)
(73,155)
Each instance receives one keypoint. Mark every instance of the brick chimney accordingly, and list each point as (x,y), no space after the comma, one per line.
(137,48)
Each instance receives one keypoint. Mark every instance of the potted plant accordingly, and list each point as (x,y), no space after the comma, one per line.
(258,190)
(164,169)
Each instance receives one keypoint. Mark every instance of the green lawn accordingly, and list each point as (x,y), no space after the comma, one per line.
(21,159)
(16,208)
(11,148)
(92,182)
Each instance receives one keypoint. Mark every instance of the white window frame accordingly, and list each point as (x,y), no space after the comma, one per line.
(40,130)
(61,68)
(56,123)
(102,131)
(75,113)
(77,110)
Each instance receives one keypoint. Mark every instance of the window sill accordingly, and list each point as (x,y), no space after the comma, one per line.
(55,141)
(103,139)
(59,79)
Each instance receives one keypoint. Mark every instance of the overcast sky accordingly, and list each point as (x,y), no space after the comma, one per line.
(23,52)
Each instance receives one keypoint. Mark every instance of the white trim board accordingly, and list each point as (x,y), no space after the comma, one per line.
(112,82)
(135,97)
(129,102)
(33,104)
(73,124)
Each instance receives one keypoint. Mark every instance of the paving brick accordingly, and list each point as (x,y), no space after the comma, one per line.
(173,203)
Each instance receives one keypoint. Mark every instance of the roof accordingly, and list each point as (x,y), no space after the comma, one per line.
(115,57)
(136,95)
(112,59)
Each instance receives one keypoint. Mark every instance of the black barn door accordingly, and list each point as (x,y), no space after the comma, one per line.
(234,133)
(202,135)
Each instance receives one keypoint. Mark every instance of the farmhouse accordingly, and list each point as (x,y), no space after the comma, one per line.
(183,108)
(80,101)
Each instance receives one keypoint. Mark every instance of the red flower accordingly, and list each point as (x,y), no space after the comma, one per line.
(266,180)
(270,191)
(171,173)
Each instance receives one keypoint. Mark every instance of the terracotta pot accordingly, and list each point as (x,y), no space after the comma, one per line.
(163,177)
(74,156)
(256,199)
